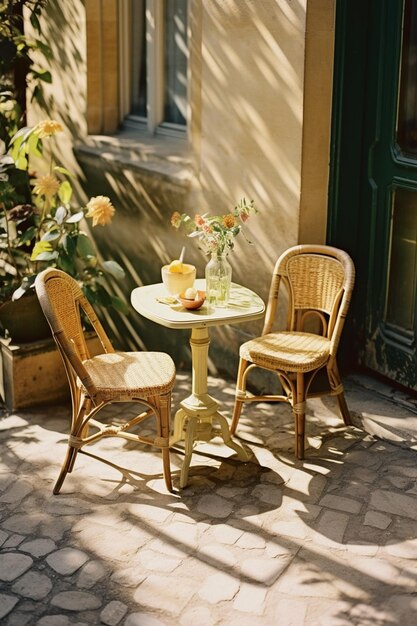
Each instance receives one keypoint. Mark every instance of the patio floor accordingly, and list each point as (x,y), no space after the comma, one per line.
(328,541)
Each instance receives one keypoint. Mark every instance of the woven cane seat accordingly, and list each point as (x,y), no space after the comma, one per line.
(287,351)
(132,373)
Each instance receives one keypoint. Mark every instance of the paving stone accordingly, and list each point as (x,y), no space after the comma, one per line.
(395,503)
(158,592)
(341,504)
(218,554)
(214,506)
(365,549)
(306,486)
(404,549)
(12,421)
(251,541)
(151,560)
(13,541)
(313,575)
(90,574)
(54,620)
(13,564)
(17,618)
(403,608)
(250,599)
(111,544)
(24,524)
(290,612)
(113,613)
(67,560)
(264,570)
(149,512)
(7,604)
(224,533)
(76,601)
(33,585)
(295,528)
(200,615)
(38,547)
(331,528)
(3,537)
(267,494)
(128,577)
(143,619)
(184,534)
(377,520)
(17,492)
(218,588)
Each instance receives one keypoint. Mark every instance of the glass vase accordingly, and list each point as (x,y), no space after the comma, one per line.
(218,280)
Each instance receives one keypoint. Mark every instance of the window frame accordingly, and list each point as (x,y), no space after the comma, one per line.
(155,76)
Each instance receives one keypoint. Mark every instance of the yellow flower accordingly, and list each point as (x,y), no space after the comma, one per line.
(46,186)
(46,128)
(100,209)
(229,221)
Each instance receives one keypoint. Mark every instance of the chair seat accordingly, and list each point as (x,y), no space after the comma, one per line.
(287,351)
(130,374)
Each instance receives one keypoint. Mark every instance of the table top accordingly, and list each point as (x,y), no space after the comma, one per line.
(244,306)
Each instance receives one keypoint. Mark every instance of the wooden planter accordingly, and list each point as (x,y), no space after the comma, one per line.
(32,374)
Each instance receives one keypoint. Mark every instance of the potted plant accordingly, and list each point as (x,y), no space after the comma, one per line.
(40,227)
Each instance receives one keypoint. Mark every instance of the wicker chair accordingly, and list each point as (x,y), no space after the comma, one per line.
(146,378)
(319,282)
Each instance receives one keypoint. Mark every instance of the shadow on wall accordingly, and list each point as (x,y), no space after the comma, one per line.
(246,138)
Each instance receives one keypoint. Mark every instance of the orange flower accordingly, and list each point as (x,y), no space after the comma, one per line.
(199,221)
(229,220)
(176,219)
(101,210)
(47,128)
(46,186)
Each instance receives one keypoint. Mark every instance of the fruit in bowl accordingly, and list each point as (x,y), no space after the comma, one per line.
(192,298)
(178,276)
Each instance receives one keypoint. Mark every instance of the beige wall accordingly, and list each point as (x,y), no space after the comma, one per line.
(252,74)
(317,115)
(259,100)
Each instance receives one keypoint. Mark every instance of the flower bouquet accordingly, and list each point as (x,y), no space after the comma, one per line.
(216,234)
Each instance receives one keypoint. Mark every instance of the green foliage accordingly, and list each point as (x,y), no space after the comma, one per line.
(18,70)
(39,228)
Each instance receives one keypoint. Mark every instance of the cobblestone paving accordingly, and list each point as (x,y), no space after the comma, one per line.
(330,541)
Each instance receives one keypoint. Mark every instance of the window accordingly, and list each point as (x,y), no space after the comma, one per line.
(154,64)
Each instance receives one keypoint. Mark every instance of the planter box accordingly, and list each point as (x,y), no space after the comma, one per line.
(33,374)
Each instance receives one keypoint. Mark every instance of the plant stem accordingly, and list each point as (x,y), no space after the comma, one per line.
(9,246)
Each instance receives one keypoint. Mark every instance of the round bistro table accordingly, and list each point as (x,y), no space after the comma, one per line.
(198,418)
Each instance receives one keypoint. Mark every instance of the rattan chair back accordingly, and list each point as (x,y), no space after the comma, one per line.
(319,281)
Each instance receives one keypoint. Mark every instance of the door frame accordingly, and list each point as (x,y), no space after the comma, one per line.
(358,113)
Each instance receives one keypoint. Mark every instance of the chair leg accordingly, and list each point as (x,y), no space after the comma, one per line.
(337,388)
(164,416)
(299,417)
(66,467)
(240,389)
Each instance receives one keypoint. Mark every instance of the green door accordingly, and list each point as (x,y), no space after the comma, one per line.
(373,200)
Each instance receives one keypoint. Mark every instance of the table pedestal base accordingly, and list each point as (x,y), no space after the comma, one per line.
(192,428)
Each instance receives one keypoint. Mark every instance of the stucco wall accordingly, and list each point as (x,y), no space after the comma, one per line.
(245,138)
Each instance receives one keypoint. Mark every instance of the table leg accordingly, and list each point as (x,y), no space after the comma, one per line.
(194,420)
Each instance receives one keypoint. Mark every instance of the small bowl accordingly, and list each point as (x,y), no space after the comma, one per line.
(178,282)
(195,303)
